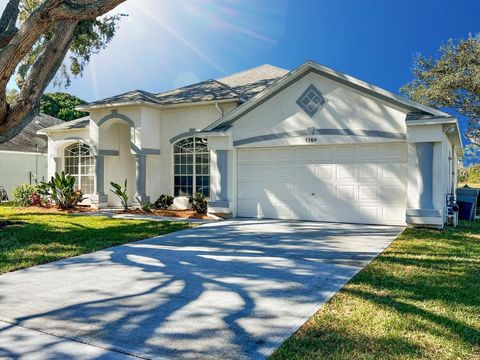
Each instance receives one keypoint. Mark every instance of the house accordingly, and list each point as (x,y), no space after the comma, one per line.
(23,159)
(312,144)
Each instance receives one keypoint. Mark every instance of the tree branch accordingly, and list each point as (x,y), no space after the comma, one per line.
(40,75)
(46,15)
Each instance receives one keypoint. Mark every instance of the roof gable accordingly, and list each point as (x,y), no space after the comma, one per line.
(398,101)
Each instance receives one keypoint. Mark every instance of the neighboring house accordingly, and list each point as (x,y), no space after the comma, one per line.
(23,159)
(309,144)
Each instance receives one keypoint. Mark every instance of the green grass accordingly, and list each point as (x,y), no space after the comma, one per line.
(44,237)
(420,299)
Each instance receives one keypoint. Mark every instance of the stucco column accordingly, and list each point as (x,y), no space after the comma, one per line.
(141,179)
(425,178)
(58,164)
(100,173)
(99,199)
(222,167)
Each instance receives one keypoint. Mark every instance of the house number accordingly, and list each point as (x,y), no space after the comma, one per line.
(310,140)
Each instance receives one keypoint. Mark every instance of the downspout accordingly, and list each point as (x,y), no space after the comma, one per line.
(220,110)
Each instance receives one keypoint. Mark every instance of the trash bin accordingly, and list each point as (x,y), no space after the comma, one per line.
(467,201)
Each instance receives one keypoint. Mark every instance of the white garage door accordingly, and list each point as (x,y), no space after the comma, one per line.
(356,183)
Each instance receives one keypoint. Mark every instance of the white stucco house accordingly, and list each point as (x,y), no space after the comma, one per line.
(308,144)
(23,159)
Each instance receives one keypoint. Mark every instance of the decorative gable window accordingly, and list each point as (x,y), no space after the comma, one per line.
(80,163)
(191,167)
(311,100)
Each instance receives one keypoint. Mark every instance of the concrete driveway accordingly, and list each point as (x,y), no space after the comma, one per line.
(228,290)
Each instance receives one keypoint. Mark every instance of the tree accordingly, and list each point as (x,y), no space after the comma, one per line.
(49,30)
(61,105)
(471,155)
(452,80)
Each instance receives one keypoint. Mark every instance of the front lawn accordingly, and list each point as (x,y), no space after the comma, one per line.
(40,237)
(420,299)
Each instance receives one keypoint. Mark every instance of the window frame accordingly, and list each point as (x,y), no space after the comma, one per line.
(79,175)
(194,186)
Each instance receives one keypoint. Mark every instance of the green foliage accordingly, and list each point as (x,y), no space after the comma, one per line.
(471,154)
(11,95)
(451,81)
(163,202)
(90,37)
(22,195)
(61,105)
(122,193)
(61,188)
(147,207)
(470,175)
(198,203)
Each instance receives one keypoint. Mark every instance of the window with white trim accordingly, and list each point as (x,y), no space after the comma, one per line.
(191,164)
(80,163)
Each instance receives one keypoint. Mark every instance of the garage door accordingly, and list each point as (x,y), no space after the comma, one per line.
(357,183)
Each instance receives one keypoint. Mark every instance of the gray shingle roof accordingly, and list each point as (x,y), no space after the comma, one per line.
(242,85)
(80,123)
(252,81)
(135,95)
(203,91)
(23,141)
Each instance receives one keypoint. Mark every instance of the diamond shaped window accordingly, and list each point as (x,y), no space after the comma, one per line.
(311,100)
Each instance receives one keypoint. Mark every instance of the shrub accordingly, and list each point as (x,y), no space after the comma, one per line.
(198,203)
(122,193)
(22,195)
(61,188)
(147,207)
(36,199)
(163,202)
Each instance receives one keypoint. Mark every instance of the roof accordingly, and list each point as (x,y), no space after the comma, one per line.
(203,91)
(399,101)
(250,82)
(236,87)
(80,123)
(23,141)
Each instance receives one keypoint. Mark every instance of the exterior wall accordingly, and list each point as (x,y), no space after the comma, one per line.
(120,167)
(344,108)
(153,129)
(17,168)
(172,123)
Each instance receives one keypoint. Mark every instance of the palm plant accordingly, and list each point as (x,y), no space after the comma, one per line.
(122,193)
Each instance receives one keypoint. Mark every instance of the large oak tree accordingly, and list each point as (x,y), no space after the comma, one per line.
(35,51)
(451,80)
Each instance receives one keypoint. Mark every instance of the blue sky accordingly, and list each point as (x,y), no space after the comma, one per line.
(164,44)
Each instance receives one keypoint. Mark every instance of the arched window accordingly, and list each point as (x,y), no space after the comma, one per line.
(79,163)
(191,167)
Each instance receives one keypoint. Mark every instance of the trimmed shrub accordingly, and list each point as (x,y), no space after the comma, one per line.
(163,202)
(147,207)
(198,203)
(22,195)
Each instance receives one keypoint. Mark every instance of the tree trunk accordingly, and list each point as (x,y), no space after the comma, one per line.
(51,14)
(40,75)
